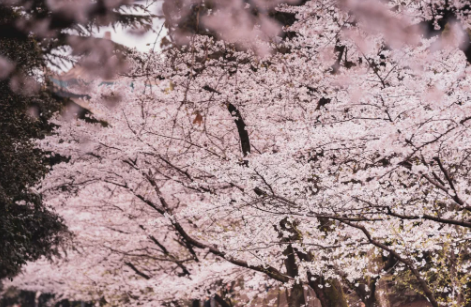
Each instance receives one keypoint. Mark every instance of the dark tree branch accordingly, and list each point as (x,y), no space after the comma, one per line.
(167,253)
(243,134)
(136,270)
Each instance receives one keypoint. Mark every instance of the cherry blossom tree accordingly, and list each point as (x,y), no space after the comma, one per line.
(334,159)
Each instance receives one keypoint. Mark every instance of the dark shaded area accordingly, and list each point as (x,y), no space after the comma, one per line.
(28,299)
(448,14)
(28,230)
(28,99)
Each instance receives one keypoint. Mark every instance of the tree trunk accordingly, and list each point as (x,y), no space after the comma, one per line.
(332,296)
(296,297)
